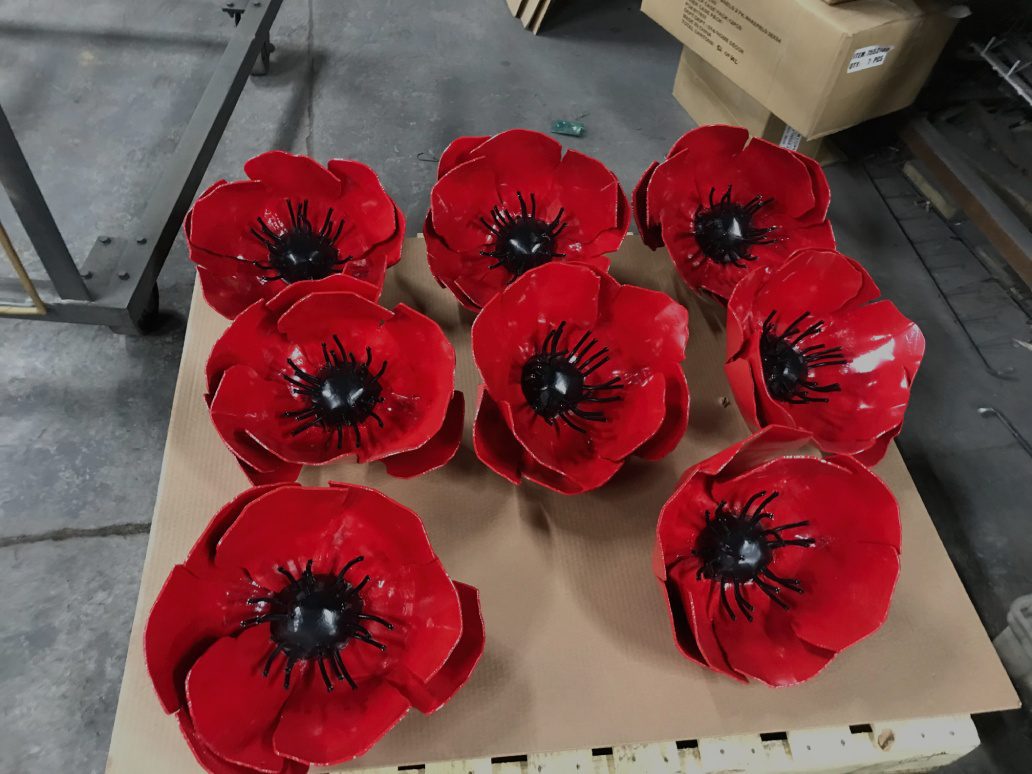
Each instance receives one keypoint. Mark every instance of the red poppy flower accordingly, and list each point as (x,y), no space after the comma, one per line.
(320,372)
(294,219)
(723,205)
(303,625)
(808,346)
(579,373)
(503,205)
(773,564)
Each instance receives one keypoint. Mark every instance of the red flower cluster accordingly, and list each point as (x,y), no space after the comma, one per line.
(506,204)
(773,564)
(579,373)
(292,220)
(303,625)
(808,346)
(320,372)
(723,205)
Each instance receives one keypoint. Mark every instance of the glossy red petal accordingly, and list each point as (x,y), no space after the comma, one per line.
(250,340)
(493,441)
(335,283)
(691,602)
(878,448)
(294,175)
(188,616)
(234,708)
(742,381)
(321,520)
(523,160)
(675,421)
(711,140)
(648,228)
(371,217)
(430,695)
(591,197)
(647,326)
(821,190)
(228,295)
(460,150)
(766,169)
(458,201)
(220,222)
(216,765)
(436,452)
(480,283)
(327,729)
(767,648)
(631,421)
(858,579)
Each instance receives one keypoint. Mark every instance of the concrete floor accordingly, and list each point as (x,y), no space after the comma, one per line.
(98,93)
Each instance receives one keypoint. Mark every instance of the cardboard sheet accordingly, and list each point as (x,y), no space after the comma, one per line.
(579,652)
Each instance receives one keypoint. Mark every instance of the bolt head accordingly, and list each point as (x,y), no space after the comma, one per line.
(105,240)
(123,275)
(141,240)
(87,275)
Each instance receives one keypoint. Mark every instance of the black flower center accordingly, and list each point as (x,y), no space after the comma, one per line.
(554,380)
(725,231)
(735,549)
(787,360)
(300,252)
(523,241)
(312,619)
(343,393)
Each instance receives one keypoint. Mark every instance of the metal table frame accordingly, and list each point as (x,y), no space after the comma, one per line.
(116,285)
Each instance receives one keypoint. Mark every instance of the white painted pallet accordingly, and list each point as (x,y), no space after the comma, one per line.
(924,744)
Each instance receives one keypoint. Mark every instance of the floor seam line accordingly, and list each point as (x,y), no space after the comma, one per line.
(72,533)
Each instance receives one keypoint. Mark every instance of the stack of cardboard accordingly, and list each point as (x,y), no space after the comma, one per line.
(794,71)
(531,13)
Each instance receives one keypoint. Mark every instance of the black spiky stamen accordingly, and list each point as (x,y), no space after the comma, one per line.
(523,241)
(344,392)
(735,550)
(725,232)
(299,252)
(787,362)
(554,380)
(313,618)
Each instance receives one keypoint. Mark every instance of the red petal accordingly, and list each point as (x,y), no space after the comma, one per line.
(234,708)
(766,169)
(216,765)
(647,326)
(222,220)
(821,190)
(294,176)
(251,340)
(649,229)
(479,282)
(431,695)
(320,521)
(189,615)
(767,648)
(847,594)
(458,201)
(590,195)
(675,423)
(712,140)
(459,151)
(630,422)
(371,215)
(693,623)
(335,283)
(327,729)
(436,452)
(874,453)
(229,296)
(522,160)
(493,441)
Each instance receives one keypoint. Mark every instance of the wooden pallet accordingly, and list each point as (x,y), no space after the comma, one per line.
(905,746)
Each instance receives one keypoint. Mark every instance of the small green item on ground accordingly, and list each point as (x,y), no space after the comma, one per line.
(570,128)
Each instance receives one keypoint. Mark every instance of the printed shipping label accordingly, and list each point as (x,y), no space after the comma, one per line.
(867,57)
(790,138)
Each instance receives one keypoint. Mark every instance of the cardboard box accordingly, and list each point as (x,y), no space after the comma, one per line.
(579,651)
(710,97)
(531,13)
(818,67)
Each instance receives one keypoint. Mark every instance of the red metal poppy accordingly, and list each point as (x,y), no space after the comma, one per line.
(579,373)
(723,205)
(506,204)
(292,220)
(320,372)
(303,625)
(808,346)
(773,563)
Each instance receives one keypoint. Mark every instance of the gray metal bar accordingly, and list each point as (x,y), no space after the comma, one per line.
(20,184)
